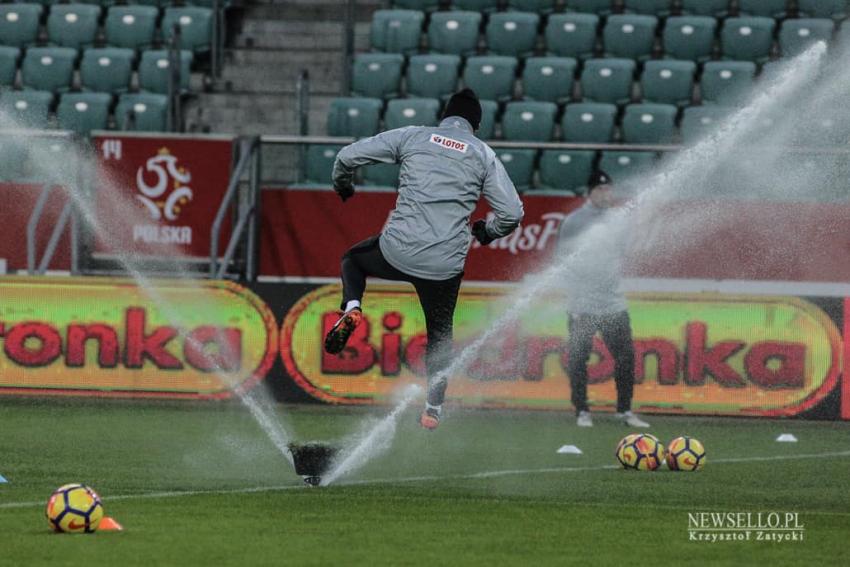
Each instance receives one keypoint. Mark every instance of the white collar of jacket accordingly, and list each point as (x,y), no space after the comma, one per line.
(456,122)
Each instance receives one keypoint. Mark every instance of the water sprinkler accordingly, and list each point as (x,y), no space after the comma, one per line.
(312,460)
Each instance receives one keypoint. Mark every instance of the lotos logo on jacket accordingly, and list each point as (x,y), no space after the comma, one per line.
(449,143)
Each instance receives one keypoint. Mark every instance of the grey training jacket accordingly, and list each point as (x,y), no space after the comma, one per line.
(444,171)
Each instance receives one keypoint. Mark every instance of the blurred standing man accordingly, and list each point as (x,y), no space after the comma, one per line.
(595,302)
(444,172)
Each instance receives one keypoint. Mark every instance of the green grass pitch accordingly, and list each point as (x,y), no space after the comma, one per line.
(200,484)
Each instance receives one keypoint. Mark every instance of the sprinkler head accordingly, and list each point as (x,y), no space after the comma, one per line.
(312,460)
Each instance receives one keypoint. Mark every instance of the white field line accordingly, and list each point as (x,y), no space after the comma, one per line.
(435,478)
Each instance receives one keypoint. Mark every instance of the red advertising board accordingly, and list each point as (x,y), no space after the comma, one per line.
(158,195)
(18,203)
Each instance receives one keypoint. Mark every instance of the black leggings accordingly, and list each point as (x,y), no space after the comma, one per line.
(437,298)
(616,331)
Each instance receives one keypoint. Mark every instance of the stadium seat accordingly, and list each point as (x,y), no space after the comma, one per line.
(607,80)
(487,128)
(72,25)
(589,122)
(764,8)
(529,121)
(512,33)
(107,69)
(19,24)
(571,35)
(424,5)
(537,6)
(566,170)
(623,165)
(649,123)
(599,7)
(319,164)
(144,112)
(630,36)
(714,8)
(548,78)
(485,6)
(84,112)
(154,71)
(403,112)
(132,27)
(689,37)
(381,175)
(520,166)
(355,117)
(668,81)
(196,26)
(727,82)
(432,76)
(796,36)
(48,68)
(9,57)
(835,9)
(747,39)
(660,8)
(697,120)
(27,108)
(377,75)
(454,32)
(396,31)
(492,78)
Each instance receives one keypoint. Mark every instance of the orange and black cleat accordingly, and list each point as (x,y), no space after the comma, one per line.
(429,419)
(337,337)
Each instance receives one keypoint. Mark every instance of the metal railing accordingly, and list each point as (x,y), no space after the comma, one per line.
(174,119)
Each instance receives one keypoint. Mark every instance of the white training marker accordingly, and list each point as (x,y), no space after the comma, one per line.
(569,450)
(786,438)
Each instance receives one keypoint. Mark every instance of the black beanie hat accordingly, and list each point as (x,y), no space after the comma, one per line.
(465,104)
(598,178)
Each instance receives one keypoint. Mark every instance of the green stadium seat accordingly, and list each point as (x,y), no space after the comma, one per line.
(566,170)
(749,38)
(487,128)
(623,165)
(649,123)
(355,117)
(132,27)
(143,112)
(548,78)
(396,31)
(835,9)
(796,36)
(512,33)
(630,36)
(520,166)
(660,8)
(403,112)
(485,6)
(48,68)
(381,175)
(764,8)
(529,121)
(689,37)
(377,75)
(19,24)
(538,6)
(607,80)
(196,27)
(599,7)
(589,122)
(714,8)
(571,35)
(319,165)
(454,32)
(73,25)
(698,120)
(727,82)
(154,70)
(27,108)
(432,76)
(423,5)
(668,81)
(107,69)
(9,58)
(84,112)
(492,78)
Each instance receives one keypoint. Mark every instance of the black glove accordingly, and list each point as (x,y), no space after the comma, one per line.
(479,231)
(345,192)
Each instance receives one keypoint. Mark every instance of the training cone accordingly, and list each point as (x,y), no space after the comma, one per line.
(108,524)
